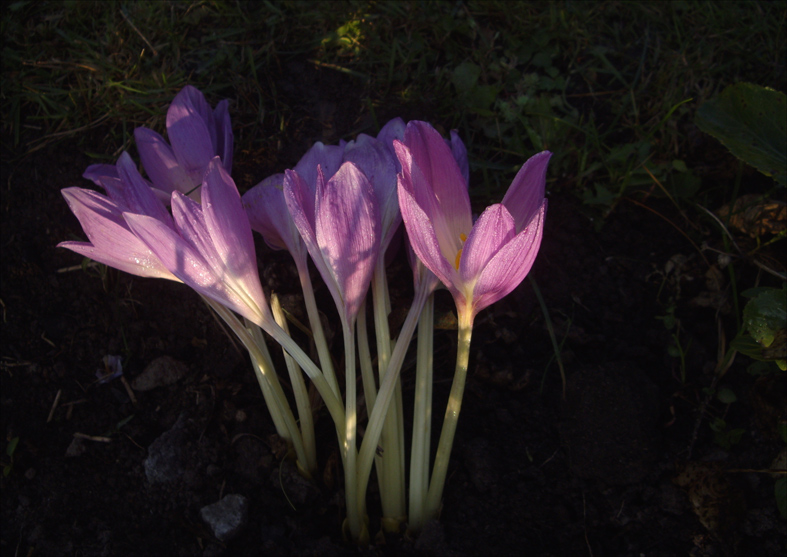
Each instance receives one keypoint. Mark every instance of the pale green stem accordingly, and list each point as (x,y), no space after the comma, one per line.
(392,484)
(323,352)
(263,369)
(355,508)
(301,395)
(265,375)
(332,403)
(422,419)
(437,483)
(386,394)
(367,372)
(365,357)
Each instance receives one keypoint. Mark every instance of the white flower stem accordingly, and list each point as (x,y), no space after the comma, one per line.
(323,352)
(365,358)
(264,369)
(301,395)
(385,394)
(355,507)
(392,488)
(453,408)
(367,372)
(266,377)
(422,419)
(332,402)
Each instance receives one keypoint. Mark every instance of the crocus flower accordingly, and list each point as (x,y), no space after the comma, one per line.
(377,160)
(340,225)
(197,134)
(111,240)
(267,210)
(479,263)
(210,248)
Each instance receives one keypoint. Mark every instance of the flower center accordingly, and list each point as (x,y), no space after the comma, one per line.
(462,237)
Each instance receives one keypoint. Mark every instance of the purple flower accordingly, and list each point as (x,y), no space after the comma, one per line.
(197,134)
(340,226)
(479,263)
(211,247)
(111,240)
(377,160)
(267,210)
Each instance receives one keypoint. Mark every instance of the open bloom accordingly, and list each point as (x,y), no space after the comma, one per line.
(111,240)
(479,263)
(210,248)
(340,225)
(197,134)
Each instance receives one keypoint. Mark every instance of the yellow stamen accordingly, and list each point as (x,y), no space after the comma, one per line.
(462,237)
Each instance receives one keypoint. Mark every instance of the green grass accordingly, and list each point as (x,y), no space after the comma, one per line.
(608,87)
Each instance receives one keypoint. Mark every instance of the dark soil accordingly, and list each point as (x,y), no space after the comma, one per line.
(626,463)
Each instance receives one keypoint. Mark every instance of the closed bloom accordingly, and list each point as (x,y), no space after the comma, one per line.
(196,133)
(376,159)
(479,263)
(340,225)
(267,210)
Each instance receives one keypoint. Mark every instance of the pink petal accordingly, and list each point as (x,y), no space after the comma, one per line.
(300,203)
(127,256)
(160,163)
(493,229)
(459,151)
(300,200)
(420,230)
(191,131)
(523,199)
(101,173)
(112,243)
(442,177)
(229,229)
(510,265)
(267,210)
(394,129)
(186,263)
(137,194)
(190,221)
(444,225)
(379,165)
(348,233)
(224,137)
(328,157)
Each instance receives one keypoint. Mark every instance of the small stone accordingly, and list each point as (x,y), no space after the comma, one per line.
(76,448)
(160,372)
(226,517)
(166,459)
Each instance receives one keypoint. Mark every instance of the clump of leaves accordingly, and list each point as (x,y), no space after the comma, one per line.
(9,452)
(751,121)
(763,336)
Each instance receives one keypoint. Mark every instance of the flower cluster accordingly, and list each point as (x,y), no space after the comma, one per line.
(341,207)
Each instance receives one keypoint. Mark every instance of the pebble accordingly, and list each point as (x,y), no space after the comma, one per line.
(161,372)
(226,517)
